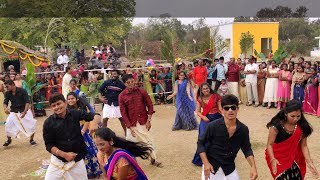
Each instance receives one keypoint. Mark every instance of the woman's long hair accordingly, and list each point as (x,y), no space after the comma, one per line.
(138,149)
(292,105)
(80,103)
(200,94)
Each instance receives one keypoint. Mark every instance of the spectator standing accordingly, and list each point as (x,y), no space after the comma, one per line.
(222,69)
(200,75)
(233,78)
(63,59)
(251,71)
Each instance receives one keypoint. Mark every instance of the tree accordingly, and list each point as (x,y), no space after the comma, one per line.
(279,55)
(301,12)
(135,51)
(292,27)
(242,19)
(31,84)
(83,32)
(273,15)
(69,8)
(246,42)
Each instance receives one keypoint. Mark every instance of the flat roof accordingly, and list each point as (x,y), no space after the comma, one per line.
(230,23)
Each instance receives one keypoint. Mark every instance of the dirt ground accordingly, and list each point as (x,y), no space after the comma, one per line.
(174,148)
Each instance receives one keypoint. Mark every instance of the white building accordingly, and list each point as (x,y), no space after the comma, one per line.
(316,50)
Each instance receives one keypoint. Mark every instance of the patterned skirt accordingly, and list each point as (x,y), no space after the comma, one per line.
(292,173)
(91,160)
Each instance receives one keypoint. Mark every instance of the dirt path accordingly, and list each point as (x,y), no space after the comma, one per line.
(175,149)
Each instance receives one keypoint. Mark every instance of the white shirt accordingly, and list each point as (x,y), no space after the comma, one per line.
(90,76)
(63,60)
(251,78)
(98,51)
(66,84)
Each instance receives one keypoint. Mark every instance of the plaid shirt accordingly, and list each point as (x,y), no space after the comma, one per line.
(133,106)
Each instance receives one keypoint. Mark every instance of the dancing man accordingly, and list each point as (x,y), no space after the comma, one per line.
(111,90)
(136,109)
(20,117)
(63,139)
(221,141)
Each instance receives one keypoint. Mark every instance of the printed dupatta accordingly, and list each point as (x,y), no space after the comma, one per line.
(120,153)
(286,152)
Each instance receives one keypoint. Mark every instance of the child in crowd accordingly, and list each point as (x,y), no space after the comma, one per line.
(223,88)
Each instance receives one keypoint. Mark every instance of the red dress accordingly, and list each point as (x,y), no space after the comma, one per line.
(49,89)
(59,80)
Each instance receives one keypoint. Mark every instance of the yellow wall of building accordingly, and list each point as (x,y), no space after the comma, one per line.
(259,30)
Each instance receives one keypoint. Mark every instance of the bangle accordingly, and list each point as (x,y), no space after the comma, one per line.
(57,152)
(272,159)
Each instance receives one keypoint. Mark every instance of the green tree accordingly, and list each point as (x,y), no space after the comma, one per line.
(242,19)
(246,42)
(69,8)
(274,15)
(74,32)
(219,46)
(135,51)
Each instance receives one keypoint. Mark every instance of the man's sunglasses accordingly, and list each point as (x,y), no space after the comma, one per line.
(227,108)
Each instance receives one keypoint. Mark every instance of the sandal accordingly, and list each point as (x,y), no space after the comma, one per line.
(268,107)
(7,143)
(156,163)
(248,104)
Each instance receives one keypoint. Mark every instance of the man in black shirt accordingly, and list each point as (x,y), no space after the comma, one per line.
(20,117)
(111,89)
(222,140)
(63,139)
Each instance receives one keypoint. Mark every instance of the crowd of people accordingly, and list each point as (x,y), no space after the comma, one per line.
(83,146)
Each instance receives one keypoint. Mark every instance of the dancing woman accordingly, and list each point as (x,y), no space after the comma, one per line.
(80,94)
(117,156)
(91,162)
(210,103)
(185,118)
(287,150)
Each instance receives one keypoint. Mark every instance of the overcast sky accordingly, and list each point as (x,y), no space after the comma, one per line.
(209,21)
(218,8)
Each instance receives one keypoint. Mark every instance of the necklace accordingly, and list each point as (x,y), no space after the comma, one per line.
(288,130)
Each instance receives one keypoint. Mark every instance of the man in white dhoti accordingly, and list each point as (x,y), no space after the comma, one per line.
(111,89)
(233,75)
(63,139)
(66,82)
(136,109)
(20,117)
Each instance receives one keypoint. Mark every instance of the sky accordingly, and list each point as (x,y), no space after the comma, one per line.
(217,8)
(209,21)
